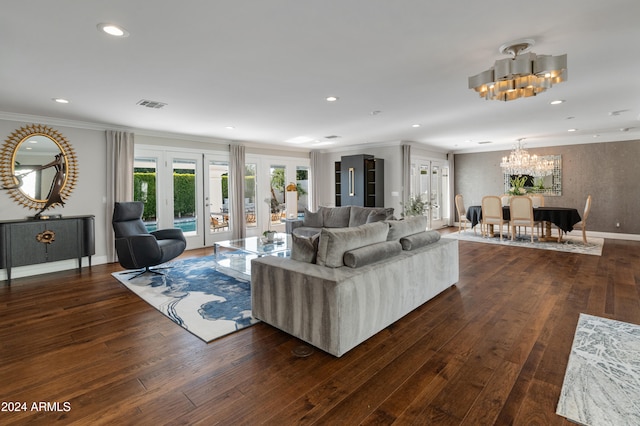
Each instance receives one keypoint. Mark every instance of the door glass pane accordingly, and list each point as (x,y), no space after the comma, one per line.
(218,196)
(184,195)
(277,194)
(302,186)
(436,193)
(250,194)
(144,189)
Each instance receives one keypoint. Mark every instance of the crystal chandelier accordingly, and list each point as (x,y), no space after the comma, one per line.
(524,75)
(520,162)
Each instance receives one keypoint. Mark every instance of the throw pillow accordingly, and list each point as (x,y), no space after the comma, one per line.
(408,226)
(313,219)
(372,253)
(334,242)
(304,249)
(421,239)
(377,216)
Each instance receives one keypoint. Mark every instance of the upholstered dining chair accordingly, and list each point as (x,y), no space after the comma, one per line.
(462,214)
(138,248)
(537,200)
(521,214)
(492,214)
(583,223)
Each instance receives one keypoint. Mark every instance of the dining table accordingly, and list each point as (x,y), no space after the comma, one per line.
(563,217)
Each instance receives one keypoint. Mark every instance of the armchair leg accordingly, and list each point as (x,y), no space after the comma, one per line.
(139,272)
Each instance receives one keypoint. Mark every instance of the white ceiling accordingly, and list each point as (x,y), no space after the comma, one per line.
(265,67)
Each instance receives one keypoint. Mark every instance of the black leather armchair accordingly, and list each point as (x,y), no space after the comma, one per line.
(136,247)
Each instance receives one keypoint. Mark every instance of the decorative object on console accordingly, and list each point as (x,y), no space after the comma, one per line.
(35,159)
(524,75)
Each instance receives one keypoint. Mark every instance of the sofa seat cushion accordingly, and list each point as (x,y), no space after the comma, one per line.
(335,242)
(372,253)
(421,239)
(410,225)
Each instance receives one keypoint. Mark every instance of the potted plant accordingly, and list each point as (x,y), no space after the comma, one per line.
(269,235)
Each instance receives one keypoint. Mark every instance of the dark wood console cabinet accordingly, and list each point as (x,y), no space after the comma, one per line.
(30,242)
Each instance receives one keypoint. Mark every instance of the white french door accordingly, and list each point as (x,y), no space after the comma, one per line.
(430,180)
(175,202)
(190,190)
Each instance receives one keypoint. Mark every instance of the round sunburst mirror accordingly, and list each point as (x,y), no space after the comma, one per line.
(38,167)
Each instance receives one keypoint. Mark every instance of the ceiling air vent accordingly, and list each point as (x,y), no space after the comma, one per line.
(483,142)
(332,137)
(151,104)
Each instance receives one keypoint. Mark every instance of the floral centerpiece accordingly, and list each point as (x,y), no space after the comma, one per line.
(517,186)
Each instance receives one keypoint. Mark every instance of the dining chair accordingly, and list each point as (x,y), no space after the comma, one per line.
(537,200)
(492,214)
(462,214)
(583,223)
(521,214)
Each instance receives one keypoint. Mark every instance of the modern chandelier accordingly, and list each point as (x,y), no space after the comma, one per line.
(525,74)
(520,162)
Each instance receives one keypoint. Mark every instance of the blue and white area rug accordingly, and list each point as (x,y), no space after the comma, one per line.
(194,295)
(569,243)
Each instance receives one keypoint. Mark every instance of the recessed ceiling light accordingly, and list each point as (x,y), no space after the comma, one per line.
(61,100)
(557,102)
(332,98)
(572,130)
(229,127)
(415,125)
(113,30)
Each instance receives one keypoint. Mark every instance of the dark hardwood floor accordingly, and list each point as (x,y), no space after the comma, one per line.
(490,350)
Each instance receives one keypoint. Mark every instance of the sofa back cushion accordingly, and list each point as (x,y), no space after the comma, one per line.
(410,225)
(313,219)
(334,242)
(336,217)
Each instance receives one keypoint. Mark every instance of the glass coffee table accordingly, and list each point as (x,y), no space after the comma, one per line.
(236,255)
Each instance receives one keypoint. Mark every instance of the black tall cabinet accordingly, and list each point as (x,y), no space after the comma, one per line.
(359,181)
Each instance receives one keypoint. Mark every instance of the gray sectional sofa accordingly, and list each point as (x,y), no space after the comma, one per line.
(344,285)
(339,217)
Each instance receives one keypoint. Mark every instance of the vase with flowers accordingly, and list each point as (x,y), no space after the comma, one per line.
(517,185)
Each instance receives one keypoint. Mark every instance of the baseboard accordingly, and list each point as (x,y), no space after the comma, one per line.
(45,268)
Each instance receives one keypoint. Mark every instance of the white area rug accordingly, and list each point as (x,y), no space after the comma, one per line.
(569,243)
(602,382)
(197,297)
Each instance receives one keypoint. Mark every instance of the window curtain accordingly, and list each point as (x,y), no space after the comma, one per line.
(452,186)
(314,201)
(120,154)
(406,175)
(236,193)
